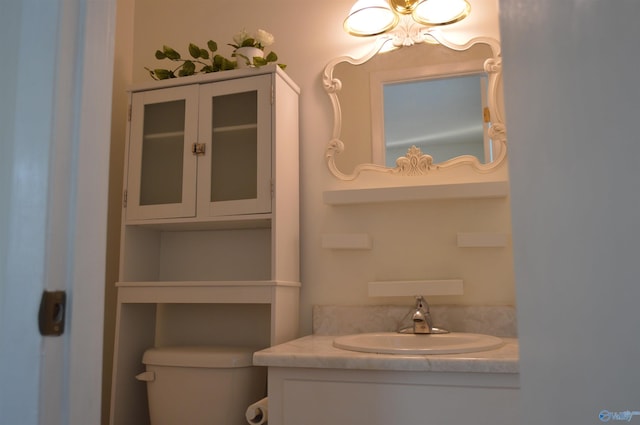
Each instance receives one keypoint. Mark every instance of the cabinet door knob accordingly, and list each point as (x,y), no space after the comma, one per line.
(198,148)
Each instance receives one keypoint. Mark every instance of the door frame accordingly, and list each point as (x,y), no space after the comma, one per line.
(96,58)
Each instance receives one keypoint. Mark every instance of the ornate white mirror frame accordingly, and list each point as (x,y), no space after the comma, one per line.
(415,162)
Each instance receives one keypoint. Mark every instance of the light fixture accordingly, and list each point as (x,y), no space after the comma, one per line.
(373,17)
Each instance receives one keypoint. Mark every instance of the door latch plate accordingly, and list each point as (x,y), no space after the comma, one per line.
(52,313)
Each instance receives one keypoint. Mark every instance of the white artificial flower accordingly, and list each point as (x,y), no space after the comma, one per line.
(264,38)
(240,37)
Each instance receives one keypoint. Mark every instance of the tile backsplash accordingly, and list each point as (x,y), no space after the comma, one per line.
(341,320)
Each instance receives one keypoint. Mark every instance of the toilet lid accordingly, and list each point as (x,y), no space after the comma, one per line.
(200,356)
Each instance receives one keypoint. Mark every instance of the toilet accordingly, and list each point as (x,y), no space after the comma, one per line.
(201,385)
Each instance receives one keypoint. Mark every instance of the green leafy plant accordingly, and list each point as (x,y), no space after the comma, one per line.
(206,59)
(203,61)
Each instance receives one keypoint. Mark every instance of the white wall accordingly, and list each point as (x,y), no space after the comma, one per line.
(573,103)
(411,241)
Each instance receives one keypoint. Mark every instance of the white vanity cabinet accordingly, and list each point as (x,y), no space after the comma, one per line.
(312,382)
(210,224)
(378,397)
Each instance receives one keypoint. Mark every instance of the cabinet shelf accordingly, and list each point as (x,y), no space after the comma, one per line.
(235,128)
(164,135)
(245,221)
(228,292)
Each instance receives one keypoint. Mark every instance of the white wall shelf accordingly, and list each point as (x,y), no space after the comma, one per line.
(347,241)
(494,189)
(415,287)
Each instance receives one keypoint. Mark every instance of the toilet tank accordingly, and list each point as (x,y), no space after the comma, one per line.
(201,385)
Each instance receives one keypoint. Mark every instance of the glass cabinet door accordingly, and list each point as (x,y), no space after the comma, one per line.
(234,176)
(162,167)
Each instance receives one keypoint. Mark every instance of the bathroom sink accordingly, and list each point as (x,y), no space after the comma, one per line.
(397,343)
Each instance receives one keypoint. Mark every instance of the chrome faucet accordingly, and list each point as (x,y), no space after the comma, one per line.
(421,318)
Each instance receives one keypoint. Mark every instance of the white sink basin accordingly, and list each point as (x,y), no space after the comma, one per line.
(396,343)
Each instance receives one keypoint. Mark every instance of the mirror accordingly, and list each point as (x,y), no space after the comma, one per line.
(440,116)
(411,110)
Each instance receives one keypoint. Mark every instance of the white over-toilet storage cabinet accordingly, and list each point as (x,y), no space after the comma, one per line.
(210,222)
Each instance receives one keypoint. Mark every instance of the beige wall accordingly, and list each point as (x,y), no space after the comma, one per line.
(411,240)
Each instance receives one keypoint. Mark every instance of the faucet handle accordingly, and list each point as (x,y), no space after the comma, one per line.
(421,303)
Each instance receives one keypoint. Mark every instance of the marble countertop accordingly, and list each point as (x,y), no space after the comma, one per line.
(317,351)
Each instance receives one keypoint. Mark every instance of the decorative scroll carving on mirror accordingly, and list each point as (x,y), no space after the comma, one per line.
(360,117)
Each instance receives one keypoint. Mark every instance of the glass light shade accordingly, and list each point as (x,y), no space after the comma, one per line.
(370,17)
(441,12)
